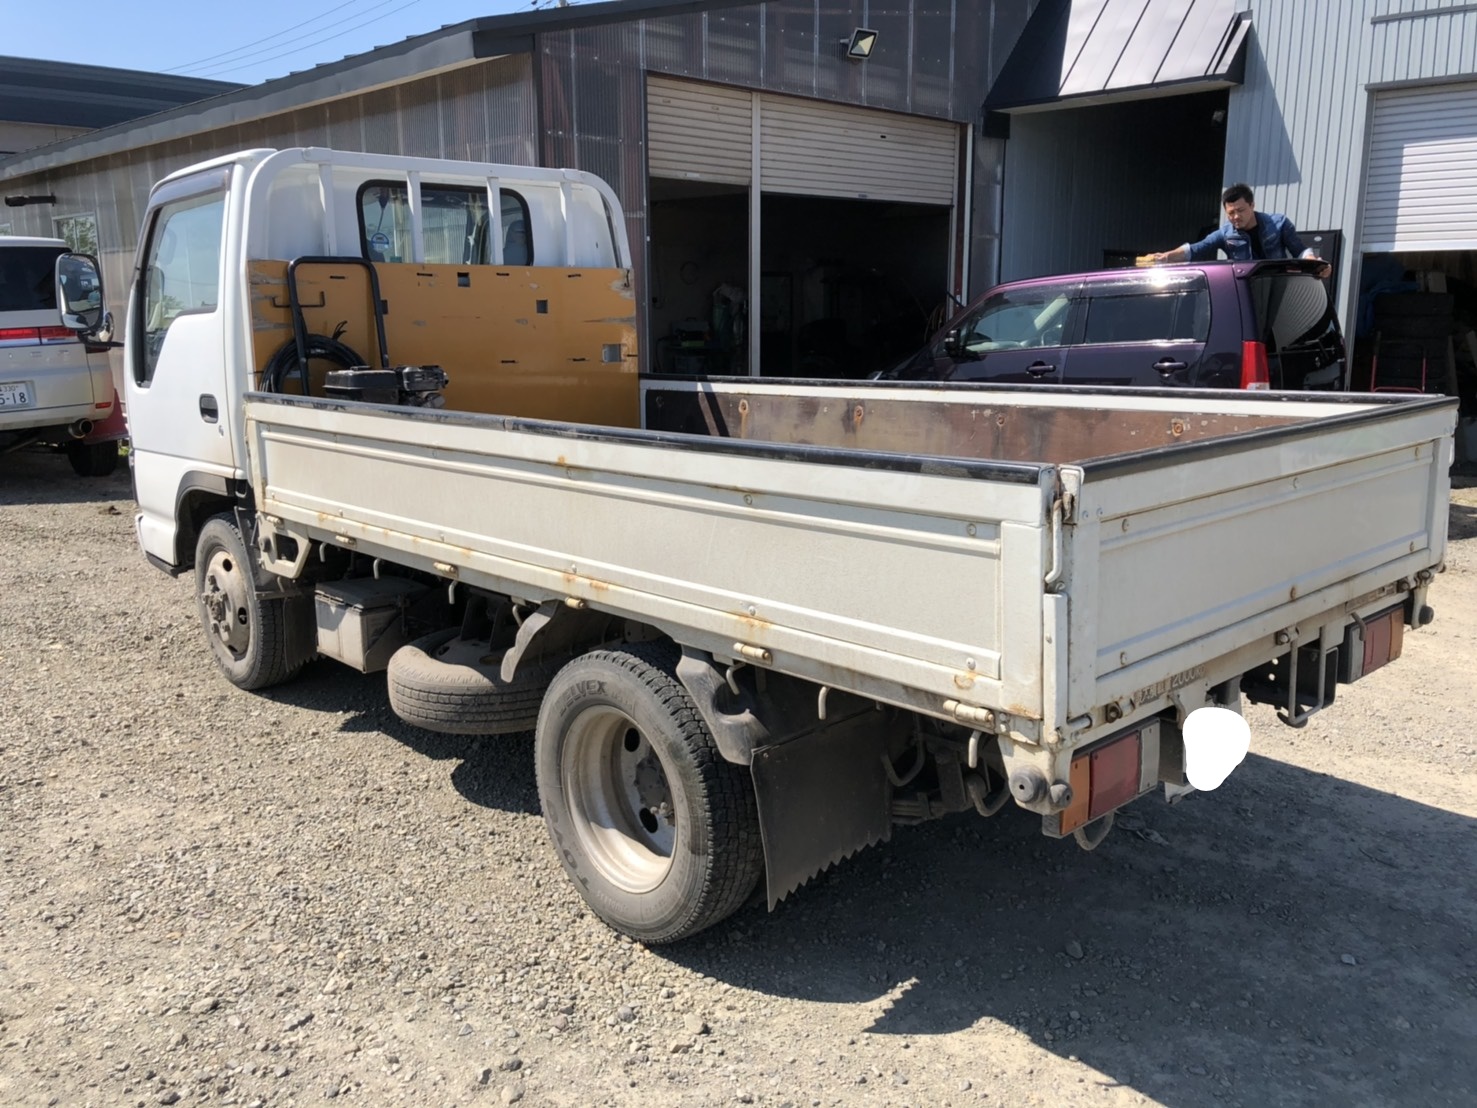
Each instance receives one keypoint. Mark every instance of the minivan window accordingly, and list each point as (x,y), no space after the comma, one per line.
(1015,319)
(1183,315)
(1291,308)
(454,224)
(28,278)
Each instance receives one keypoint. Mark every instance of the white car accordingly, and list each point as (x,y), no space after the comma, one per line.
(53,389)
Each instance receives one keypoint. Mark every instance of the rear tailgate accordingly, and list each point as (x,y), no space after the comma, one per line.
(1182,556)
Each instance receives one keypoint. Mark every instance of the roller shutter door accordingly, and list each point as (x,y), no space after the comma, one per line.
(698,132)
(818,149)
(702,132)
(1422,186)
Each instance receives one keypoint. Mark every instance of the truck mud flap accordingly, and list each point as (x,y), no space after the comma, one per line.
(821,799)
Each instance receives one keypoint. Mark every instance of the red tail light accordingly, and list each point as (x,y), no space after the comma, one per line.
(1254,374)
(1104,778)
(37,334)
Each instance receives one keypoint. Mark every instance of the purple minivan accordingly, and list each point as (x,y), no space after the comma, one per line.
(1202,325)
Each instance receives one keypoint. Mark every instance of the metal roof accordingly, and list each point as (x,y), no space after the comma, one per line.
(1082,52)
(62,94)
(416,57)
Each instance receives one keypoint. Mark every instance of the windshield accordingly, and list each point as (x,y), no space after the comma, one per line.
(1291,309)
(28,278)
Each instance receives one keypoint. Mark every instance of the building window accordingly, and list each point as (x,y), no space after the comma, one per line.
(79,231)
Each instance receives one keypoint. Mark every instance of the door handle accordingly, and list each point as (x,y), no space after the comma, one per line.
(1168,365)
(210,411)
(1040,369)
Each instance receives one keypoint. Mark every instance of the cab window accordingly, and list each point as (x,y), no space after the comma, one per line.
(455,227)
(181,274)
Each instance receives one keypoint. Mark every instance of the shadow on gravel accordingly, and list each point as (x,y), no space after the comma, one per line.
(1463,522)
(42,477)
(1201,954)
(492,771)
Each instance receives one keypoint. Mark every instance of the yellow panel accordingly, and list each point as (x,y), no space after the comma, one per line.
(530,342)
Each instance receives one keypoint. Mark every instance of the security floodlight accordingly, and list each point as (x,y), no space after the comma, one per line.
(861,43)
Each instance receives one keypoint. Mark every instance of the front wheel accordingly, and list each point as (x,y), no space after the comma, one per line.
(659,833)
(251,636)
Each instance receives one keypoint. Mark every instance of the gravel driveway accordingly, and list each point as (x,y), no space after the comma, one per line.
(215,897)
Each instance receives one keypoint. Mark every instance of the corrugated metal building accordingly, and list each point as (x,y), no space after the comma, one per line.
(571,87)
(1356,118)
(761,161)
(43,102)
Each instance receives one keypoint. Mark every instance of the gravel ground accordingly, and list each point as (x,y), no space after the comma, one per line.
(214,897)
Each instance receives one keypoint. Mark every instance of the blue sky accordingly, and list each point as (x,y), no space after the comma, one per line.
(244,43)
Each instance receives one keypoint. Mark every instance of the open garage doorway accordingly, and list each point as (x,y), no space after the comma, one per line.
(792,236)
(848,287)
(1415,322)
(1090,187)
(699,277)
(1415,326)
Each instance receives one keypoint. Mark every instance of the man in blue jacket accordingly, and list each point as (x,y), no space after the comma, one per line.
(1247,235)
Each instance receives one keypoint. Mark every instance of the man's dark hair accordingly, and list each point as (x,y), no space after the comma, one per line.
(1237,192)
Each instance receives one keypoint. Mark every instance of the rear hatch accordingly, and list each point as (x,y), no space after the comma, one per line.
(43,365)
(1294,317)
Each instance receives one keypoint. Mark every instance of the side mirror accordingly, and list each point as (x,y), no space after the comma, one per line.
(79,293)
(952,346)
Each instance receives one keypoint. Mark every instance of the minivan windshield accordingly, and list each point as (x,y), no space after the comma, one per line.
(28,278)
(1291,309)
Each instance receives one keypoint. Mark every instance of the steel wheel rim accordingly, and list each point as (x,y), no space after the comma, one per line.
(620,799)
(223,599)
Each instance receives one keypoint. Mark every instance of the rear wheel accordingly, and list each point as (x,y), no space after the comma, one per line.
(93,459)
(659,833)
(249,634)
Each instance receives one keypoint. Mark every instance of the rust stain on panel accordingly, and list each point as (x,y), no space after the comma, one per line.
(946,428)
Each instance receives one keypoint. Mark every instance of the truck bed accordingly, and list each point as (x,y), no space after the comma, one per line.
(1036,555)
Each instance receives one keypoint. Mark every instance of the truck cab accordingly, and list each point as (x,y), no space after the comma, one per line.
(267,269)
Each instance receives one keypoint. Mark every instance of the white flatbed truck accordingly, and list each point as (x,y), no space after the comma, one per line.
(754,625)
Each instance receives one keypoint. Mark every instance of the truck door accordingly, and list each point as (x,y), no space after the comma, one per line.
(178,402)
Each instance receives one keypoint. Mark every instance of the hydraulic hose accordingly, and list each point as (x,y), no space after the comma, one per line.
(320,347)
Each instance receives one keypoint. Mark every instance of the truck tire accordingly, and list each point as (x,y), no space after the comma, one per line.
(248,633)
(658,832)
(93,459)
(441,684)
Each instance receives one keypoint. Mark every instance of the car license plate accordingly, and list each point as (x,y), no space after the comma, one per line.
(16,394)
